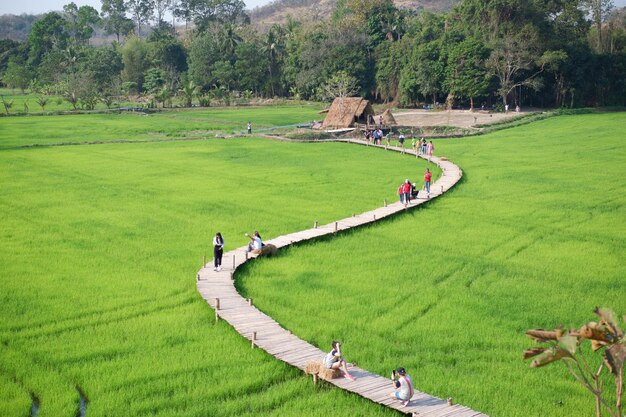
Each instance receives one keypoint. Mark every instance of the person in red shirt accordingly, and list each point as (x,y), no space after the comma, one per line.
(406,190)
(427,176)
(401,192)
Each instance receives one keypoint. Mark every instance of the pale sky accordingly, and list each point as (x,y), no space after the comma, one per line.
(44,6)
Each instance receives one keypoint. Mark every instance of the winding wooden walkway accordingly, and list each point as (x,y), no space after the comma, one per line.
(218,289)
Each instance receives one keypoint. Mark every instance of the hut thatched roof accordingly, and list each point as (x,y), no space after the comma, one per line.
(388,118)
(346,110)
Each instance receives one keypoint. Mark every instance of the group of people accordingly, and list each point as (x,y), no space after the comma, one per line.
(408,191)
(422,147)
(401,381)
(254,246)
(375,136)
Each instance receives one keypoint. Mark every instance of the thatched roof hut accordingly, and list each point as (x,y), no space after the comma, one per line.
(345,111)
(388,119)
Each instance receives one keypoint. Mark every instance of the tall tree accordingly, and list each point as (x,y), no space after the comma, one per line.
(600,10)
(142,11)
(47,34)
(160,8)
(466,73)
(135,60)
(80,22)
(113,13)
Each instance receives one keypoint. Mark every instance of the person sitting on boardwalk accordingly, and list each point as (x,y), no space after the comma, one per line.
(333,360)
(414,191)
(403,384)
(256,244)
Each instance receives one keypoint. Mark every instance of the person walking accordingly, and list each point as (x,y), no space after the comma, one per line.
(427,177)
(423,146)
(249,128)
(401,140)
(403,385)
(401,193)
(334,360)
(218,251)
(429,149)
(406,190)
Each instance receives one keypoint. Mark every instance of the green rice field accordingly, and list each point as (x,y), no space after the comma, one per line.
(101,244)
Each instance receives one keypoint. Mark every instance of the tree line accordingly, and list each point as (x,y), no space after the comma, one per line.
(558,53)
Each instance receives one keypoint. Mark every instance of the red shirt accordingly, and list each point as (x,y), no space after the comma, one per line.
(427,176)
(406,187)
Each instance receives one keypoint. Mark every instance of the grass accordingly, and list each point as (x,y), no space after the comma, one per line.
(101,245)
(100,249)
(202,124)
(534,236)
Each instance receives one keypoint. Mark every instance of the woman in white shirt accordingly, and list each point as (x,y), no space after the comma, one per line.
(218,251)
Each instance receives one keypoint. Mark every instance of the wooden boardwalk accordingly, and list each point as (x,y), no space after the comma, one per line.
(218,289)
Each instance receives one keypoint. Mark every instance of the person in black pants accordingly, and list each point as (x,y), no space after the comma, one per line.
(218,251)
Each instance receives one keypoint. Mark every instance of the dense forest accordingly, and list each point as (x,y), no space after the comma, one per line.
(556,53)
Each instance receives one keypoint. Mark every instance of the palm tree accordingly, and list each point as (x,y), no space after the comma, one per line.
(189,90)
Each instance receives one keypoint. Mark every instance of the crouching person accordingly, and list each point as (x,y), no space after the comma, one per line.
(334,360)
(403,384)
(256,244)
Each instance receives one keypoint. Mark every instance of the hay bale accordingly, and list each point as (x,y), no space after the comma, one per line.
(318,368)
(269,250)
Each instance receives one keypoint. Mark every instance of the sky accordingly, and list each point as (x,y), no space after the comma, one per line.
(43,6)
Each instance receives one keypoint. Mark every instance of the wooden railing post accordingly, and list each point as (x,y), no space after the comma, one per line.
(233,262)
(217,309)
(253,339)
(335,228)
(250,302)
(385,202)
(204,261)
(198,277)
(246,256)
(315,224)
(232,276)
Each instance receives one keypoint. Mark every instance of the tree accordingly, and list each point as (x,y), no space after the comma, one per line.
(513,60)
(189,91)
(134,58)
(183,9)
(47,34)
(115,20)
(17,75)
(204,52)
(600,10)
(204,12)
(566,346)
(80,22)
(466,74)
(340,85)
(250,67)
(160,7)
(142,11)
(103,64)
(429,69)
